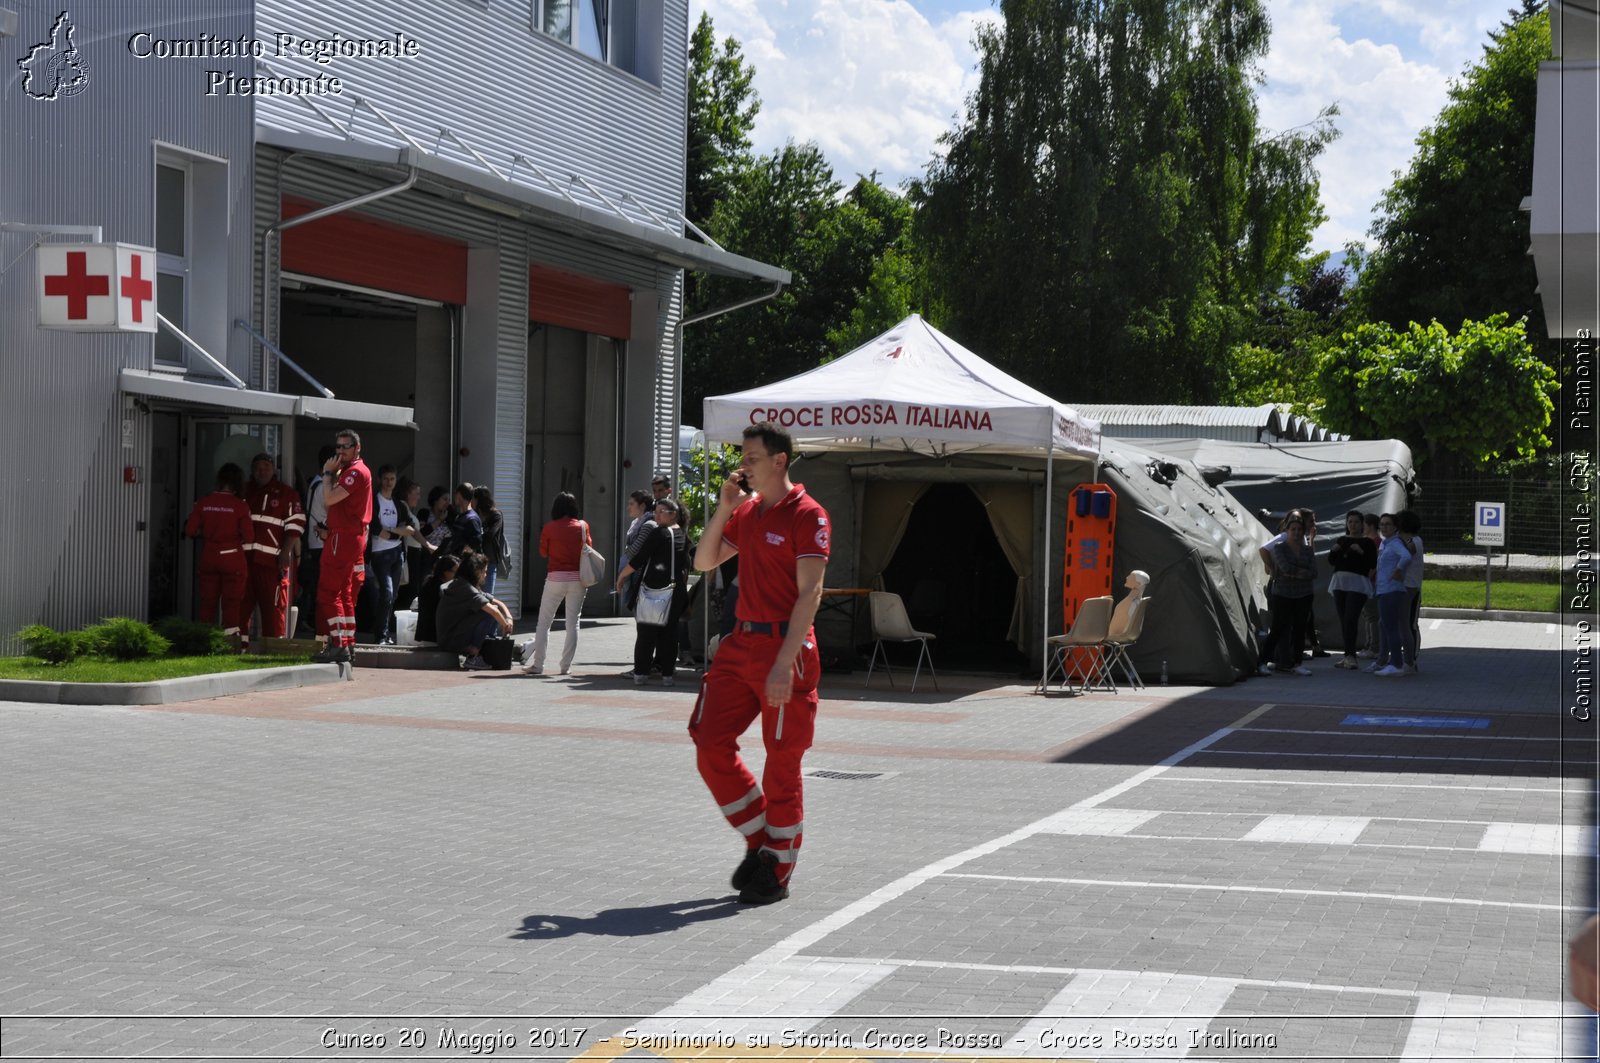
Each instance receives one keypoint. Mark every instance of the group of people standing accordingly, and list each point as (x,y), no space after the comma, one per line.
(372,534)
(1377,567)
(248,536)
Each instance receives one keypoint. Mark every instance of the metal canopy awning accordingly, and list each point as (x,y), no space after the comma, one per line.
(544,209)
(173,388)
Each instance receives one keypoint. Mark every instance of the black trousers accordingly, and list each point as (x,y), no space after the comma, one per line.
(310,576)
(1350,605)
(1291,619)
(655,647)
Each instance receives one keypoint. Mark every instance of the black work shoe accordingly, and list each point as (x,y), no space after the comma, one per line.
(747,868)
(331,654)
(763,887)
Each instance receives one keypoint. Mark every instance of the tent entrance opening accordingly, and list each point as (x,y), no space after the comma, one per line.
(956,581)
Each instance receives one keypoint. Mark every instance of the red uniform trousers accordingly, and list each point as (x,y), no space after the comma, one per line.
(770,815)
(343,555)
(222,587)
(269,589)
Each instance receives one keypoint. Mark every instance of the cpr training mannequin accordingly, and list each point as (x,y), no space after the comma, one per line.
(1123,616)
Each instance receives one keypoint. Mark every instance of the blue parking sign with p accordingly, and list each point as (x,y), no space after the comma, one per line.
(1489,516)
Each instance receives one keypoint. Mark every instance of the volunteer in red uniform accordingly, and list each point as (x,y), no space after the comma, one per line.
(279,522)
(221,521)
(347,491)
(768,666)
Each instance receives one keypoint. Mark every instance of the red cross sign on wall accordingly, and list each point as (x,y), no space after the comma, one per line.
(77,284)
(96,287)
(136,289)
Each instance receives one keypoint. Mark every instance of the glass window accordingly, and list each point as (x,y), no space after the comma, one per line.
(584,24)
(170,302)
(171,222)
(556,19)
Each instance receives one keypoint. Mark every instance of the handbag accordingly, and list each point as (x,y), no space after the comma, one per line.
(655,603)
(497,653)
(591,563)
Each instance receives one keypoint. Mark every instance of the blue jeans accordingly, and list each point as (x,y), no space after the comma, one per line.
(385,567)
(1393,616)
(488,578)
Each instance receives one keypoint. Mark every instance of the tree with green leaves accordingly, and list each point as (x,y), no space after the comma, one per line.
(1451,237)
(723,105)
(1293,325)
(1108,214)
(1469,399)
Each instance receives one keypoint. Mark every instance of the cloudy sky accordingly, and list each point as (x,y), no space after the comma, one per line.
(875,82)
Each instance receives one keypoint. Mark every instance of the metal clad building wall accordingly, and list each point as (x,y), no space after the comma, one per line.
(484,74)
(511,403)
(88,159)
(318,180)
(669,372)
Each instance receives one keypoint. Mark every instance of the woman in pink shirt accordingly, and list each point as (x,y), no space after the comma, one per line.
(561,543)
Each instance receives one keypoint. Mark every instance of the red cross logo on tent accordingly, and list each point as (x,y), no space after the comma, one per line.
(97,287)
(897,352)
(77,284)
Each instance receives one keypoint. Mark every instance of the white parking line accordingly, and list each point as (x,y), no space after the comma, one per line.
(1448,1026)
(1206,887)
(1319,784)
(747,989)
(1538,839)
(1308,830)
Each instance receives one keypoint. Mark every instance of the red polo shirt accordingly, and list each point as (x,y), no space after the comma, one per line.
(769,544)
(352,514)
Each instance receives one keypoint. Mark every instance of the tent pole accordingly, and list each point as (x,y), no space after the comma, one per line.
(1044,630)
(706,578)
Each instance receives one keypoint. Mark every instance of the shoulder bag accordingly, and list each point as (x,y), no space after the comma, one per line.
(591,564)
(655,603)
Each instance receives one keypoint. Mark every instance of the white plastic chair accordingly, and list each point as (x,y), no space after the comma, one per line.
(891,624)
(1125,631)
(1082,645)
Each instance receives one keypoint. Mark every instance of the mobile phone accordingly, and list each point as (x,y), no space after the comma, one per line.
(744,484)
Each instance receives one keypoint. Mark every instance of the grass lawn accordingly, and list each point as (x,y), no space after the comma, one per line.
(1468,594)
(99,670)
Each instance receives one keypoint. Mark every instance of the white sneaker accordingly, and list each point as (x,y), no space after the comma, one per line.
(534,669)
(1302,670)
(639,680)
(475,663)
(1388,670)
(1265,669)
(666,681)
(522,650)
(1373,667)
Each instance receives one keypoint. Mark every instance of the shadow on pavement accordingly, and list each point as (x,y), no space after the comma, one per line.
(628,922)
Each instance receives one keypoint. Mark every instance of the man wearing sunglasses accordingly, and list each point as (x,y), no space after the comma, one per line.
(347,493)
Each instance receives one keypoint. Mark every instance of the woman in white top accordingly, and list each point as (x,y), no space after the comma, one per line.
(391,524)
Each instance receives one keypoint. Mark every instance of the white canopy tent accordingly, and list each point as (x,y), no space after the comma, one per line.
(913,390)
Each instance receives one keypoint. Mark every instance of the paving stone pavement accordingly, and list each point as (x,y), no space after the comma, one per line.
(1330,867)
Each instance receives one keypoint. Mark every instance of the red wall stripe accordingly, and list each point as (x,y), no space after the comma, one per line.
(573,301)
(374,254)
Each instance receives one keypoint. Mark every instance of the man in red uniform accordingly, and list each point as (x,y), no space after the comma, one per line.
(279,522)
(769,665)
(347,492)
(221,521)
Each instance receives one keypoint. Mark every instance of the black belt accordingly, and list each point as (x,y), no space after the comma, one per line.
(753,627)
